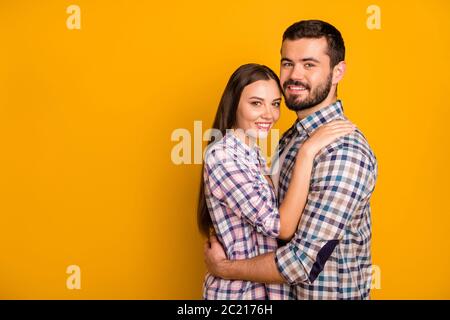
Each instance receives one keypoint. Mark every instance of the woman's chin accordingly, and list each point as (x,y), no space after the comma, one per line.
(257,134)
(262,134)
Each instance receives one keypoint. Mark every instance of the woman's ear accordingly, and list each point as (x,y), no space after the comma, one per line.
(338,72)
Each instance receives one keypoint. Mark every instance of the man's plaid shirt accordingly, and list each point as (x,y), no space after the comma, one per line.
(330,255)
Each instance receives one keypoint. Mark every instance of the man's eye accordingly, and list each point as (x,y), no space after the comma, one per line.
(309,65)
(287,64)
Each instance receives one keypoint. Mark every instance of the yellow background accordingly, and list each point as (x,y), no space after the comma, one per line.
(86,117)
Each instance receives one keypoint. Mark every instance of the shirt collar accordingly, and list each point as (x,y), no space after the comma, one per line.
(322,116)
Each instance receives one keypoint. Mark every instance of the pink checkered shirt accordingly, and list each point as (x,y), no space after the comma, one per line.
(244,212)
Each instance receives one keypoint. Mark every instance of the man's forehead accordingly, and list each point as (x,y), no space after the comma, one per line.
(304,46)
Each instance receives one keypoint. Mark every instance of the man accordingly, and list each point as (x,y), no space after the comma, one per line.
(329,256)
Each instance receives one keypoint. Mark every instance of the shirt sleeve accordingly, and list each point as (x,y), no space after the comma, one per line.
(246,194)
(342,181)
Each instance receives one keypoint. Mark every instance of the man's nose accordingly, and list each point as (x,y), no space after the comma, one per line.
(297,73)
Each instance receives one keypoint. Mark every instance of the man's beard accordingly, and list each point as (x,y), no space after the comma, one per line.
(314,97)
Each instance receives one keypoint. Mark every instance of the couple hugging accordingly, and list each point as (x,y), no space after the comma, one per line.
(304,230)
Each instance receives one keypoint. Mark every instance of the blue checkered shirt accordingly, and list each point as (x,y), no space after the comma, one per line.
(330,254)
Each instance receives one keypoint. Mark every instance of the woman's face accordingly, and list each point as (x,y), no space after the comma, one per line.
(259,108)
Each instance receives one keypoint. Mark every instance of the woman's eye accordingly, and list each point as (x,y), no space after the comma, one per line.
(276,104)
(256,103)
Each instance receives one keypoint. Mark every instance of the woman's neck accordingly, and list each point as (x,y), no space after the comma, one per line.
(248,140)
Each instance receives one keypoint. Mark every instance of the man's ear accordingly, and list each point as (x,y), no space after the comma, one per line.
(338,72)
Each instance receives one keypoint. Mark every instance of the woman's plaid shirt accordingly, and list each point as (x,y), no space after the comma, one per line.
(244,212)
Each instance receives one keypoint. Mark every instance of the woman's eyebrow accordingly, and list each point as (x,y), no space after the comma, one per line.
(258,98)
(277,99)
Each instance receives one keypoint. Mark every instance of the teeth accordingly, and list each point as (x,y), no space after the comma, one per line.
(297,88)
(263,126)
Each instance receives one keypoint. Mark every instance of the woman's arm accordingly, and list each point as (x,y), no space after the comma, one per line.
(294,202)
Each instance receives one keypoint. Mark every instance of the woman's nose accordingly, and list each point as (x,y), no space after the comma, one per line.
(268,113)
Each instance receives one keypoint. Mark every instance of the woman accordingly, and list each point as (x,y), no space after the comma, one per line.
(237,201)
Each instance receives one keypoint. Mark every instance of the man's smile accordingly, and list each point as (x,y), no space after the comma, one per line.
(296,89)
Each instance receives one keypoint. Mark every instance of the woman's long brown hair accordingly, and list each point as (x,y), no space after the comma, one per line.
(226,118)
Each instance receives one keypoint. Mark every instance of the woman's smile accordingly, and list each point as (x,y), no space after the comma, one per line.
(264,126)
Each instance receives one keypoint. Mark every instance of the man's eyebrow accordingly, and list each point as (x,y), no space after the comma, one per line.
(302,60)
(310,59)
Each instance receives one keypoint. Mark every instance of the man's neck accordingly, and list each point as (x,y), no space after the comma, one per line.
(302,114)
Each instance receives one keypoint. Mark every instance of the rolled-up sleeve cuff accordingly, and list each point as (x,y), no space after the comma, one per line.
(270,229)
(265,219)
(289,266)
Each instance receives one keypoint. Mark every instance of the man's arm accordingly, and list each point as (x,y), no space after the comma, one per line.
(261,268)
(342,183)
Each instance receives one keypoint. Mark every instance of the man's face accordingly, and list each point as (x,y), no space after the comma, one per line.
(305,72)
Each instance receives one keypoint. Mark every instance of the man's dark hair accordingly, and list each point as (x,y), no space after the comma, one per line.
(317,29)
